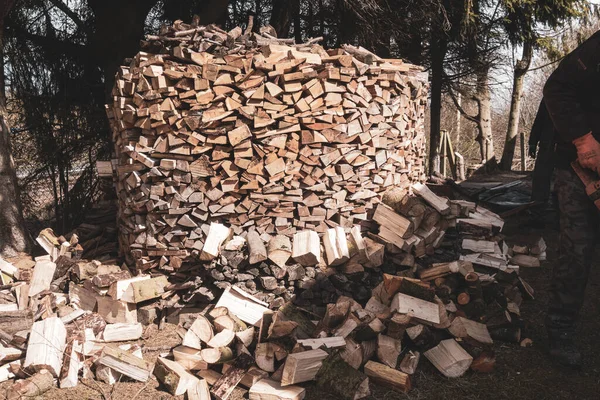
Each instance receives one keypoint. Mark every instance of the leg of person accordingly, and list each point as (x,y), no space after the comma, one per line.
(578,236)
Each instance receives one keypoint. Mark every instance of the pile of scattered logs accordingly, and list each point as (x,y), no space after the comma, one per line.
(259,134)
(450,291)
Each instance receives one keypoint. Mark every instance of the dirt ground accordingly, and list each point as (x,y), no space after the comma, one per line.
(521,373)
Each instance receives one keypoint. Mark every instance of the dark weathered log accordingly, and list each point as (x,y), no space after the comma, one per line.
(339,378)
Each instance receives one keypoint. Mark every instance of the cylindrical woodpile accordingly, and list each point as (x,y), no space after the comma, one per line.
(257,134)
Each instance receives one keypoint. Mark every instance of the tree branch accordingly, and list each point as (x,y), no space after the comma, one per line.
(463,112)
(70,13)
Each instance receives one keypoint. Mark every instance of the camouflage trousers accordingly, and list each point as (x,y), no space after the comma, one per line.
(579,228)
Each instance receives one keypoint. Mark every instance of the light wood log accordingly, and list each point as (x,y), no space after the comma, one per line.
(256,248)
(417,308)
(122,332)
(173,376)
(449,358)
(200,332)
(189,358)
(145,290)
(247,308)
(125,363)
(306,248)
(410,362)
(46,345)
(217,234)
(280,250)
(388,377)
(302,367)
(267,389)
(388,350)
(43,274)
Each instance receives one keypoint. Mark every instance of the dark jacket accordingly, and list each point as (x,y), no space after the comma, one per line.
(572,97)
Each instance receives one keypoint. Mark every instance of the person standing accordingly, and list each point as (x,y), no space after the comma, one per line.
(572,98)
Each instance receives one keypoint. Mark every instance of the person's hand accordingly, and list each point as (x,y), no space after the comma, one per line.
(588,152)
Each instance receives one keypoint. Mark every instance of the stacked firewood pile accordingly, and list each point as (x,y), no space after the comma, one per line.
(266,137)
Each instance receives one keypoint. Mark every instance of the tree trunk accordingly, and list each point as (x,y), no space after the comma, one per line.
(438,53)
(484,122)
(515,107)
(282,15)
(13,234)
(119,27)
(458,121)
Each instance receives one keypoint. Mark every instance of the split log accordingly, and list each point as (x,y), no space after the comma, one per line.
(122,332)
(267,389)
(12,322)
(388,350)
(200,332)
(47,342)
(330,343)
(125,363)
(470,330)
(43,275)
(73,363)
(302,367)
(199,390)
(116,311)
(106,280)
(336,246)
(417,308)
(388,377)
(306,248)
(525,261)
(265,356)
(216,355)
(118,288)
(145,290)
(393,228)
(222,339)
(189,358)
(173,376)
(410,362)
(449,358)
(256,248)
(352,354)
(440,204)
(217,234)
(247,308)
(280,250)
